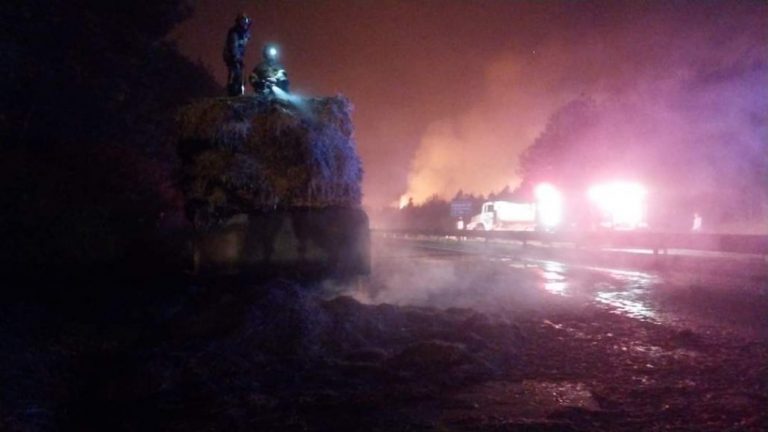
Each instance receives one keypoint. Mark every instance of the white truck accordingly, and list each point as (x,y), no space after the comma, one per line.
(504,216)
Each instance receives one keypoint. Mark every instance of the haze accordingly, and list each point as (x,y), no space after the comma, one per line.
(449,93)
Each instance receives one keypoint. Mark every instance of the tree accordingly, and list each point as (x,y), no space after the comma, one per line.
(88,98)
(559,153)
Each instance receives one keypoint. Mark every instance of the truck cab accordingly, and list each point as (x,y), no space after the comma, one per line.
(504,216)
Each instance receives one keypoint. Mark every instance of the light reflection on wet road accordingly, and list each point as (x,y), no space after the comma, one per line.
(491,280)
(446,278)
(627,303)
(553,278)
(639,338)
(624,292)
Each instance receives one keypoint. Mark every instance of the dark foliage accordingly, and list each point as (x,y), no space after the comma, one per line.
(698,173)
(557,155)
(87,103)
(434,214)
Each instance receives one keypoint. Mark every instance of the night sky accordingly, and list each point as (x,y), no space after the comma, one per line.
(448,93)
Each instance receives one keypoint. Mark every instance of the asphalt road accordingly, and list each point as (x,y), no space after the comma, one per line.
(608,340)
(726,294)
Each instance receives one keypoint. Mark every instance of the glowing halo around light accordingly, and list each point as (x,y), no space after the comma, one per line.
(549,204)
(622,204)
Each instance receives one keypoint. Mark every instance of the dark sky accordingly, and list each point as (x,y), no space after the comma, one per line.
(448,93)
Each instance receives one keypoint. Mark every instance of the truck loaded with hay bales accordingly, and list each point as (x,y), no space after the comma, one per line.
(273,186)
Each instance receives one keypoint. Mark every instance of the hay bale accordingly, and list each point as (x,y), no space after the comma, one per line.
(248,154)
(308,242)
(273,185)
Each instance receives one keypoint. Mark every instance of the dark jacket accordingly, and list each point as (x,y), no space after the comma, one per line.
(234,46)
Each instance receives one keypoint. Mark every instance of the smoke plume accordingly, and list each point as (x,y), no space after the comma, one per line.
(681,96)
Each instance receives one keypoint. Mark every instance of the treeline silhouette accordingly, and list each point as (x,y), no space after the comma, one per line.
(436,213)
(87,107)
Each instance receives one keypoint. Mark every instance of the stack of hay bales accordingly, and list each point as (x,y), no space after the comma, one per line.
(273,186)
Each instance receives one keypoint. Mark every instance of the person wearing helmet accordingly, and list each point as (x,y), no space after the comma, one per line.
(269,73)
(234,54)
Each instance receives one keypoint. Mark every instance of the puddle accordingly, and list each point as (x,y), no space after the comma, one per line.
(628,303)
(561,394)
(656,352)
(528,399)
(552,275)
(627,294)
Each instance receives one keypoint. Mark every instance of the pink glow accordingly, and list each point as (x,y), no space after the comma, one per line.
(549,204)
(622,205)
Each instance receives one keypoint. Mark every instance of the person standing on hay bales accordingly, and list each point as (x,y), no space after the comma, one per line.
(269,74)
(234,54)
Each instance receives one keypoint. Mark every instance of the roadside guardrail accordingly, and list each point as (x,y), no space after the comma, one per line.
(658,242)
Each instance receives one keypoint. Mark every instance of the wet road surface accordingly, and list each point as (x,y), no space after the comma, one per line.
(607,347)
(453,274)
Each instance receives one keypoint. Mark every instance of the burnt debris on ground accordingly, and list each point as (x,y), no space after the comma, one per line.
(282,355)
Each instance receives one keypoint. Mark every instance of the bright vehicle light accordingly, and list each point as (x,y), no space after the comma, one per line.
(549,203)
(622,204)
(515,212)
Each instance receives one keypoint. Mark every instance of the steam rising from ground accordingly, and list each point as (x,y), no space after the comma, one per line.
(408,276)
(668,83)
(505,282)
